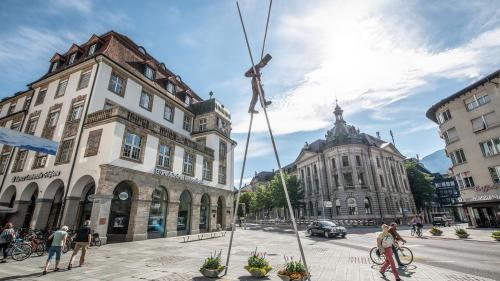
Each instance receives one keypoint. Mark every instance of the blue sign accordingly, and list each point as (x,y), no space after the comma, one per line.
(27,141)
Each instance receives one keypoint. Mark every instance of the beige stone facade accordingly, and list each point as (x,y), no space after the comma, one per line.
(469,124)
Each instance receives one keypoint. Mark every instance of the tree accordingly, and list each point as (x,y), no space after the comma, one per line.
(247,198)
(295,192)
(420,184)
(264,198)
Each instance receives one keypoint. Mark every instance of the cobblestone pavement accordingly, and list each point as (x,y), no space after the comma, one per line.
(172,260)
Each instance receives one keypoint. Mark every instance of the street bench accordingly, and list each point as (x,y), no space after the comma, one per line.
(203,236)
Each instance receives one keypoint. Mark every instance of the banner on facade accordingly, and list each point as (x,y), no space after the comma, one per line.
(27,141)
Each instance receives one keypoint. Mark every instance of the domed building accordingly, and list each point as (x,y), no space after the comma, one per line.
(353,176)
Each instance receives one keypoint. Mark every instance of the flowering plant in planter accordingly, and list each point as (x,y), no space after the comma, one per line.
(258,265)
(212,265)
(293,270)
(436,231)
(496,235)
(461,233)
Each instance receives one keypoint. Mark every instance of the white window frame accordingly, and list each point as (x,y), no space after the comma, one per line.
(132,146)
(166,109)
(116,83)
(149,72)
(92,49)
(72,58)
(187,123)
(202,126)
(188,163)
(149,100)
(164,156)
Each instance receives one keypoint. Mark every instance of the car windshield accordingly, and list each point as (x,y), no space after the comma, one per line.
(327,223)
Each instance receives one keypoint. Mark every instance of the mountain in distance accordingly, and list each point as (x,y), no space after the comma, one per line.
(437,162)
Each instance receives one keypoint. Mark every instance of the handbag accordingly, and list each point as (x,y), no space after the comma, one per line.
(387,241)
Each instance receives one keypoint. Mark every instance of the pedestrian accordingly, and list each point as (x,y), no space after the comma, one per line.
(82,238)
(255,83)
(393,231)
(6,236)
(384,244)
(58,239)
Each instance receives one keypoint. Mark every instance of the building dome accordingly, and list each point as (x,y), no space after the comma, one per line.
(342,133)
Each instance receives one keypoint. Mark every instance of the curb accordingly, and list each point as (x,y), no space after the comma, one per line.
(465,239)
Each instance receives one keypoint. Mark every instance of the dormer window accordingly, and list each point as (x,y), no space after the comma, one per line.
(188,100)
(72,58)
(149,72)
(54,66)
(171,87)
(92,49)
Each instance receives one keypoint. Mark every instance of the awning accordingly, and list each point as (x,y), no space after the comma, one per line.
(27,141)
(7,210)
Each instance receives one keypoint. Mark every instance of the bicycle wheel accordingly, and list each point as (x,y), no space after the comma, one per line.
(97,242)
(419,232)
(412,232)
(21,252)
(376,257)
(40,249)
(405,255)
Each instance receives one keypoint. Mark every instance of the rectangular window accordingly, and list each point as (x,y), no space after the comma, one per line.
(164,156)
(378,162)
(348,180)
(149,72)
(207,169)
(31,126)
(202,141)
(186,125)
(443,116)
(116,84)
(64,152)
(450,135)
(334,165)
(358,160)
(484,122)
(53,118)
(20,160)
(336,179)
(469,182)
(168,114)
(361,179)
(61,88)
(27,103)
(188,164)
(222,174)
(132,146)
(108,105)
(458,157)
(222,151)
(187,100)
(382,184)
(40,160)
(15,126)
(41,96)
(84,80)
(12,108)
(202,126)
(93,143)
(495,174)
(3,162)
(92,49)
(474,102)
(490,147)
(54,66)
(170,87)
(146,101)
(345,161)
(76,112)
(72,58)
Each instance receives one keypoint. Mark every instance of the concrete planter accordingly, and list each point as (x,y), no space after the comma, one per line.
(258,272)
(287,278)
(436,233)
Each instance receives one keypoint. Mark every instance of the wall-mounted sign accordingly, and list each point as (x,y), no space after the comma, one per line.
(177,176)
(42,175)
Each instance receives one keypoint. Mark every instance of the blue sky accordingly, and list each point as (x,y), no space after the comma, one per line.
(387,62)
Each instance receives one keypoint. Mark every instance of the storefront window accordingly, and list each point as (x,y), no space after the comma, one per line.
(120,209)
(184,215)
(157,214)
(86,206)
(205,213)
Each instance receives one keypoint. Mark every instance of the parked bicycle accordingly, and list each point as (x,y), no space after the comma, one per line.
(405,255)
(19,250)
(96,239)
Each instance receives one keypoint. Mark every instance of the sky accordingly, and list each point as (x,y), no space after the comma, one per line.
(386,62)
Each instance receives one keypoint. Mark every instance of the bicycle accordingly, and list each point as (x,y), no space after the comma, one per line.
(19,250)
(405,255)
(96,240)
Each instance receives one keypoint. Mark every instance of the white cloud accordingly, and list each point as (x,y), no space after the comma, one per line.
(258,147)
(354,52)
(83,6)
(418,128)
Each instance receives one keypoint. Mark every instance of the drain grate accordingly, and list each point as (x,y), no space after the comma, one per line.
(359,260)
(453,277)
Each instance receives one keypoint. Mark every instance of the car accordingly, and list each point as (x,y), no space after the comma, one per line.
(326,228)
(441,221)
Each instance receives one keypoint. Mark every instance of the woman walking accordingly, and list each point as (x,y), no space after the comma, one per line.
(58,242)
(384,243)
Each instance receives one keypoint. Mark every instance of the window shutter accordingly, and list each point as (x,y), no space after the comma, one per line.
(491,118)
(477,124)
(452,134)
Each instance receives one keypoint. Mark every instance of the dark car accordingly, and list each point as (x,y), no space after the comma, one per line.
(326,229)
(441,221)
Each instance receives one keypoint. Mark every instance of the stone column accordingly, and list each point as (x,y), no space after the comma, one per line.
(195,218)
(100,215)
(41,213)
(173,212)
(139,217)
(213,217)
(17,218)
(70,213)
(227,217)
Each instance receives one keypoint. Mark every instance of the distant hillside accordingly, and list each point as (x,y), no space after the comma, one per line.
(437,162)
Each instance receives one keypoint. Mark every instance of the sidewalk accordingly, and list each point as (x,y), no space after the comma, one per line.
(475,234)
(171,260)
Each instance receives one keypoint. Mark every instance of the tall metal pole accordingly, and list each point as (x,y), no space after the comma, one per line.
(261,98)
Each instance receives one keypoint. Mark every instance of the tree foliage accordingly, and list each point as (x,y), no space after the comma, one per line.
(264,198)
(420,184)
(248,198)
(295,191)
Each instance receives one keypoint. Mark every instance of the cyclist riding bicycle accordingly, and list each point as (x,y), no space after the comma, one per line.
(416,223)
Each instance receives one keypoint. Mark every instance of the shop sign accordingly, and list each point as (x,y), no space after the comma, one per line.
(177,176)
(327,204)
(41,175)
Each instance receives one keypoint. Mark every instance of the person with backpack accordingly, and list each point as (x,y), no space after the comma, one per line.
(58,239)
(384,243)
(7,235)
(82,239)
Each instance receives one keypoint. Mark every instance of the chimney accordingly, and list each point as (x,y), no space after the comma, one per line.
(418,158)
(378,135)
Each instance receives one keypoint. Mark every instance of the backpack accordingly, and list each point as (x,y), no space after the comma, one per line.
(7,236)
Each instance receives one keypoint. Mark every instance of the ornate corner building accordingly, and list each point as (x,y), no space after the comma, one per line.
(140,153)
(353,176)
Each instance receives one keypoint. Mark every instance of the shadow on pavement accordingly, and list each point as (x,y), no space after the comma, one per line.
(38,274)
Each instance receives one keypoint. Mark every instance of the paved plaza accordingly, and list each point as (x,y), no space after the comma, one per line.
(172,259)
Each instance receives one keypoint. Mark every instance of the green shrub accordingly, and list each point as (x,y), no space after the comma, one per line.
(495,235)
(213,262)
(435,230)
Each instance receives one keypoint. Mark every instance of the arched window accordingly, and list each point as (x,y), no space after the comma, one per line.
(368,206)
(184,214)
(158,214)
(337,207)
(352,207)
(120,211)
(204,213)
